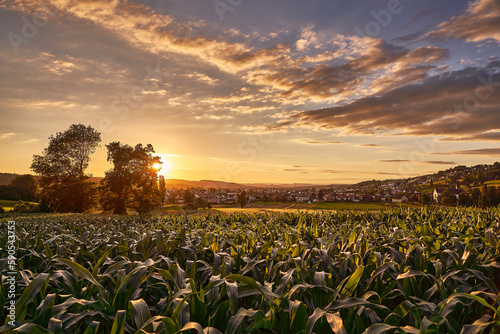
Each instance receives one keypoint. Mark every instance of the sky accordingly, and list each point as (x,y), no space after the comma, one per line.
(323,91)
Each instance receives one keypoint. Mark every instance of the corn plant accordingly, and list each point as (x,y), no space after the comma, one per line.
(415,271)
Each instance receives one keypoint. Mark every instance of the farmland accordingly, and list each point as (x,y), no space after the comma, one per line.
(392,271)
(287,207)
(8,205)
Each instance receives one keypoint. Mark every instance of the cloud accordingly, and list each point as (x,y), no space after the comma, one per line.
(330,171)
(213,117)
(6,135)
(276,68)
(417,17)
(297,170)
(449,104)
(486,136)
(203,78)
(412,37)
(480,23)
(308,37)
(430,162)
(29,141)
(394,160)
(318,141)
(439,162)
(142,28)
(370,145)
(341,82)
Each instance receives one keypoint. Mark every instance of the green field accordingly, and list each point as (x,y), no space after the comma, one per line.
(350,206)
(389,271)
(290,207)
(8,205)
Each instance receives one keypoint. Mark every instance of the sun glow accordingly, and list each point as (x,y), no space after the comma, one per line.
(157,166)
(162,168)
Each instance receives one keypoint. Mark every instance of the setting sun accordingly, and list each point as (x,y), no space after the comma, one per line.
(162,168)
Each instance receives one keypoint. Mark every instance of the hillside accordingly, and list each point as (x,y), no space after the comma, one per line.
(457,176)
(5,178)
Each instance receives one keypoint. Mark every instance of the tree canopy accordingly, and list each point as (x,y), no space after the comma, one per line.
(242,198)
(22,187)
(133,181)
(62,165)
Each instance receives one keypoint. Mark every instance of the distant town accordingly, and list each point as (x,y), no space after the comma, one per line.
(458,185)
(464,186)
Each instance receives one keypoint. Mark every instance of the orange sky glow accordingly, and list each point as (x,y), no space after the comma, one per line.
(257,91)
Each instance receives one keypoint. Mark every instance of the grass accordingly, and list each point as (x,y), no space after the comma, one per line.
(8,205)
(350,206)
(287,207)
(169,207)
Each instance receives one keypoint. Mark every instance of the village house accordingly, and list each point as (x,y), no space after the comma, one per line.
(302,198)
(399,198)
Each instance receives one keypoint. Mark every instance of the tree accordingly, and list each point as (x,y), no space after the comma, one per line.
(464,199)
(492,196)
(188,196)
(476,197)
(467,180)
(265,198)
(321,195)
(132,183)
(201,203)
(172,198)
(8,193)
(447,198)
(242,198)
(277,197)
(25,186)
(162,188)
(62,165)
(425,198)
(485,200)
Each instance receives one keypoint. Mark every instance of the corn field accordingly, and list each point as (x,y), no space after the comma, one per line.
(417,271)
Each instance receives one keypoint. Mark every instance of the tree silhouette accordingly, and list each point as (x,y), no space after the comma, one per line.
(162,188)
(187,196)
(132,183)
(265,198)
(447,198)
(25,187)
(172,198)
(242,198)
(65,186)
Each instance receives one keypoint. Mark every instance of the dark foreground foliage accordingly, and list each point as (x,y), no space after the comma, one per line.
(420,271)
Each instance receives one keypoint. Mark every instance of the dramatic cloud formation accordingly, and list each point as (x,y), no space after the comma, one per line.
(173,73)
(452,103)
